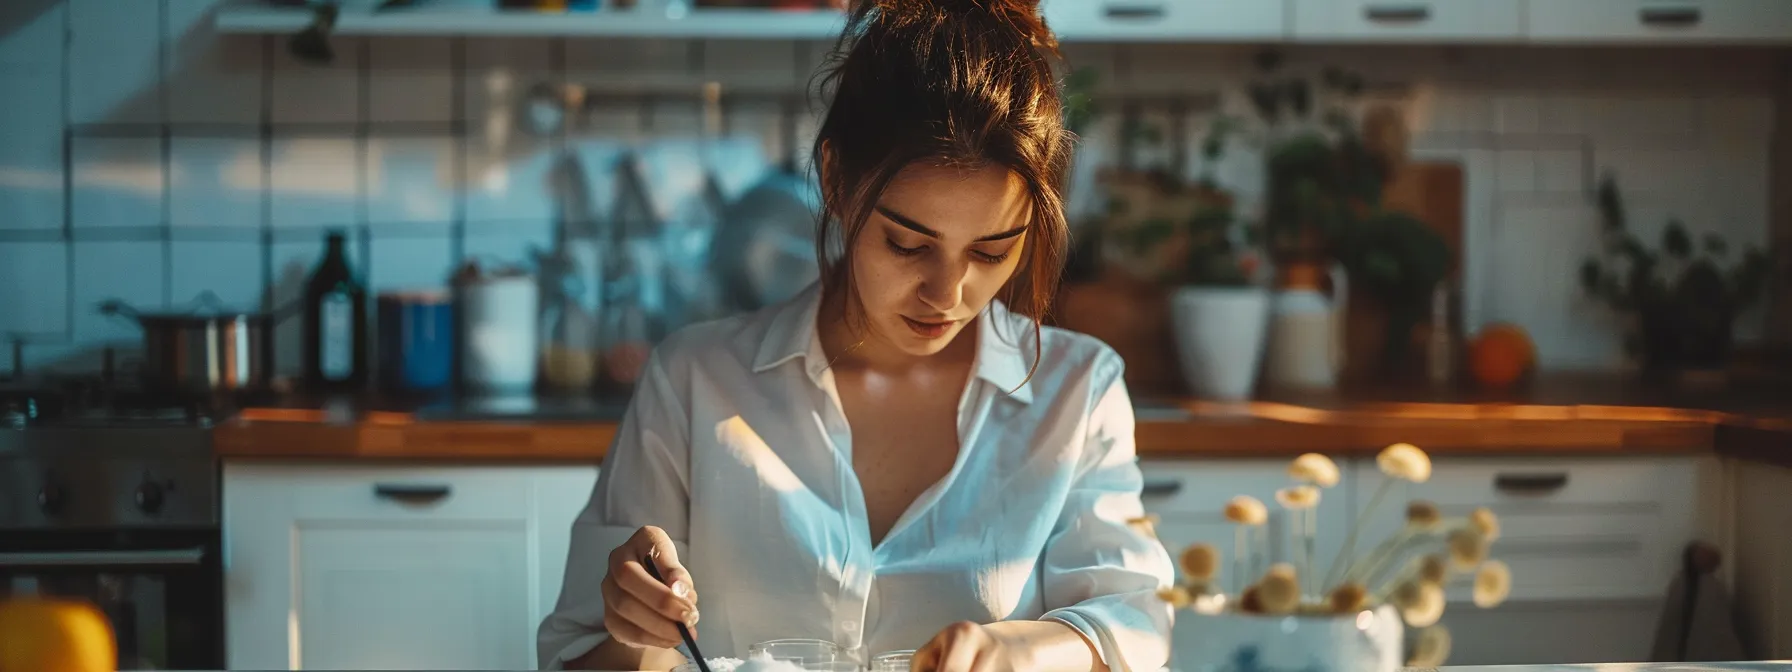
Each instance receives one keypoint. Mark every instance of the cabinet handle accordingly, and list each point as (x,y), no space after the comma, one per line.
(1397,13)
(1530,484)
(412,493)
(1161,488)
(1135,12)
(1670,16)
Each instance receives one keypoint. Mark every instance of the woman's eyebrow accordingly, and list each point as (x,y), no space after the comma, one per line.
(905,222)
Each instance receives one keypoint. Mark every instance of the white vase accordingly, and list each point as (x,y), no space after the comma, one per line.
(1219,338)
(1370,641)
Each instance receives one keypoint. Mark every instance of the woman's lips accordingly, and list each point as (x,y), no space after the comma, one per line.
(928,329)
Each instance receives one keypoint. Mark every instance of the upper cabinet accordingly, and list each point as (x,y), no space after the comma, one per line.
(1408,20)
(1661,21)
(1167,20)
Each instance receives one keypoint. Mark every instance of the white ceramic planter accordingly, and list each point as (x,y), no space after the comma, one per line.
(1219,338)
(1371,641)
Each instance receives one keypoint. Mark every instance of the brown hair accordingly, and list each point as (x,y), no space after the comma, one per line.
(956,82)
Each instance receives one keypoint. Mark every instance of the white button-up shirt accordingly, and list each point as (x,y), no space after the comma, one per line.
(736,445)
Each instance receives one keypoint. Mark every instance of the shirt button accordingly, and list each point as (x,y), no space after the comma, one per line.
(849,626)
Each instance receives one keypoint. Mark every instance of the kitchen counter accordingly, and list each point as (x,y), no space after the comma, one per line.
(1586,414)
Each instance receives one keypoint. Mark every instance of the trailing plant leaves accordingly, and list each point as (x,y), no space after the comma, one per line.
(1590,275)
(1675,241)
(1715,245)
(1300,96)
(1267,100)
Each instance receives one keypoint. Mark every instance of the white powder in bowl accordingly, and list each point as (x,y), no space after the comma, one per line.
(765,664)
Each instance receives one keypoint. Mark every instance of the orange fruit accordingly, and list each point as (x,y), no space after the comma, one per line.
(1500,355)
(53,635)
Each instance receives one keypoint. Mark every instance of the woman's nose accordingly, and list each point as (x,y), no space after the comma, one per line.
(942,288)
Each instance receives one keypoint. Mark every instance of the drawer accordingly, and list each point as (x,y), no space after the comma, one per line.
(387,493)
(1660,21)
(1409,20)
(1145,20)
(1191,509)
(1466,483)
(1203,487)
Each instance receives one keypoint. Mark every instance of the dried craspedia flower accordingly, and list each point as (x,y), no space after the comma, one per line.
(1349,598)
(1420,603)
(1493,583)
(1201,562)
(1314,468)
(1405,462)
(1467,548)
(1279,591)
(1486,523)
(1299,497)
(1422,514)
(1246,510)
(1177,596)
(1431,648)
(1434,569)
(1145,525)
(1250,601)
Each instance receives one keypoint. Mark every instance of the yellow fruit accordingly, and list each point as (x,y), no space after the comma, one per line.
(52,635)
(1501,355)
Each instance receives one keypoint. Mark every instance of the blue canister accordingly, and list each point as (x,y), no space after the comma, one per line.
(416,331)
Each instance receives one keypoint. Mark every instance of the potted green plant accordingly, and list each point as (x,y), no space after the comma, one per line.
(1682,299)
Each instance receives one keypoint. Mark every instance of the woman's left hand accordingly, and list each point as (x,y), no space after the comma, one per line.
(968,647)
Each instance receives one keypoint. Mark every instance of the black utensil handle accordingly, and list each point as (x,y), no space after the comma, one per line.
(1135,12)
(1400,13)
(412,493)
(1530,484)
(690,643)
(1670,16)
(1164,488)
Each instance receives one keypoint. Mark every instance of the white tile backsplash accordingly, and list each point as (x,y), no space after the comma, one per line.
(117,182)
(409,81)
(116,270)
(215,182)
(210,78)
(315,181)
(410,179)
(1686,130)
(230,270)
(34,291)
(114,52)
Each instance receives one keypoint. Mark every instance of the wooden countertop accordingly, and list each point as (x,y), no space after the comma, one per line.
(1589,414)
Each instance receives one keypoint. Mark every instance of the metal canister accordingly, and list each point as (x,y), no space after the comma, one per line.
(416,341)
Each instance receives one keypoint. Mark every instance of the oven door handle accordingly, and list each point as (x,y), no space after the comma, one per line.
(167,558)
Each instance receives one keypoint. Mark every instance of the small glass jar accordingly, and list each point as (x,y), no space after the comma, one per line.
(835,666)
(892,661)
(799,651)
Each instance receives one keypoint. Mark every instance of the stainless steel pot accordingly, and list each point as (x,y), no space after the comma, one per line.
(208,349)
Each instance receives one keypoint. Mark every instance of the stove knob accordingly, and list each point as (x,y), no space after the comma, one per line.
(150,497)
(49,499)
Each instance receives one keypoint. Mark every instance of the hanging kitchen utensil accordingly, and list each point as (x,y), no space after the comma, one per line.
(633,300)
(764,251)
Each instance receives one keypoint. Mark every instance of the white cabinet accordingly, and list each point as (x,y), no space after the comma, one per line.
(1166,20)
(1763,556)
(396,567)
(1408,20)
(1660,21)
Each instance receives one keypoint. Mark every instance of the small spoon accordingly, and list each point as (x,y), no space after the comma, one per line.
(689,642)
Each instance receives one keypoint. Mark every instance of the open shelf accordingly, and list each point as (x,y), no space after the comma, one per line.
(461,21)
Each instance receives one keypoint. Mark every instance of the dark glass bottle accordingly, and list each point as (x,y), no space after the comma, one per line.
(335,323)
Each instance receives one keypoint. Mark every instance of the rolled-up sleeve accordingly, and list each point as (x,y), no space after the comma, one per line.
(644,480)
(1101,575)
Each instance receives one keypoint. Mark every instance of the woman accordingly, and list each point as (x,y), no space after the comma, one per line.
(892,460)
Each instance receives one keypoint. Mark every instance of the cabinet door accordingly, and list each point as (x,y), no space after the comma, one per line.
(1660,21)
(558,496)
(1163,20)
(386,568)
(1409,20)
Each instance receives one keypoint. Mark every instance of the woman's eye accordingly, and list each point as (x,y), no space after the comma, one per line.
(988,258)
(904,251)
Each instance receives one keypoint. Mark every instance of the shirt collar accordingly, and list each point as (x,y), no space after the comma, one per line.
(1002,341)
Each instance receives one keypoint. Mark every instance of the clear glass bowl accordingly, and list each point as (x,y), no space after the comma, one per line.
(892,661)
(800,651)
(835,666)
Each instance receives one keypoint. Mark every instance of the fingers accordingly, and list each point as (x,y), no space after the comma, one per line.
(635,581)
(954,649)
(640,610)
(629,633)
(665,557)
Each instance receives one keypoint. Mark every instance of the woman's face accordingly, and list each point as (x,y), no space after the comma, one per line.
(941,243)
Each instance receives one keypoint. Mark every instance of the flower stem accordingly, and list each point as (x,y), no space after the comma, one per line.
(1238,550)
(1312,524)
(1350,539)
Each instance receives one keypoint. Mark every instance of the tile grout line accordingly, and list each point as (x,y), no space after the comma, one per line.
(68,178)
(363,132)
(457,117)
(162,25)
(266,134)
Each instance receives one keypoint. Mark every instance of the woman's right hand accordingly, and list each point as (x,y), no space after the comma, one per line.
(642,612)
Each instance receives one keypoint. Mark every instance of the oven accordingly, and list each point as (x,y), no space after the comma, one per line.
(126,519)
